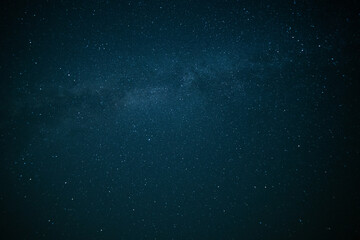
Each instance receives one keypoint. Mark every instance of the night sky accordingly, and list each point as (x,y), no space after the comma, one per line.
(179,119)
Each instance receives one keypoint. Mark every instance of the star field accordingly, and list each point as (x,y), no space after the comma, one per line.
(179,120)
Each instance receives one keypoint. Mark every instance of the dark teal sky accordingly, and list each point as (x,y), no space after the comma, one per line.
(179,120)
